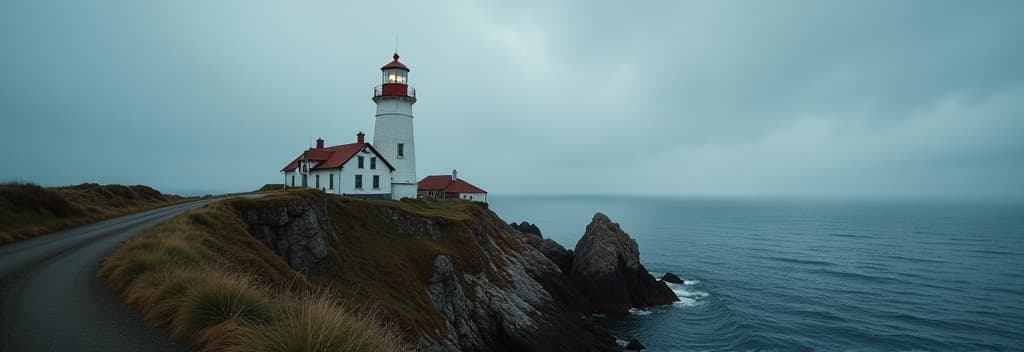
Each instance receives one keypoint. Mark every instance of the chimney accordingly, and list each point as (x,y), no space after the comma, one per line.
(455,175)
(319,143)
(359,137)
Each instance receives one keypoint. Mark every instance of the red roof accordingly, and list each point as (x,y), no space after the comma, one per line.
(334,157)
(445,184)
(395,64)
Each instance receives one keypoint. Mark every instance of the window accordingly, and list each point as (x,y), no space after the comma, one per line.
(317,181)
(360,161)
(330,185)
(373,163)
(293,180)
(359,181)
(401,150)
(376,182)
(395,76)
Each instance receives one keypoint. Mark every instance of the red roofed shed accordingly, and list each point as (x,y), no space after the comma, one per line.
(450,187)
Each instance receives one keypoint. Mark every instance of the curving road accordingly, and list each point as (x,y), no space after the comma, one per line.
(52,299)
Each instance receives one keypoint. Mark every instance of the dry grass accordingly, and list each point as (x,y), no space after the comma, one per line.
(319,323)
(28,210)
(375,264)
(218,289)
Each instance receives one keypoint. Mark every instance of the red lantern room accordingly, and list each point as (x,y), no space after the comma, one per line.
(395,80)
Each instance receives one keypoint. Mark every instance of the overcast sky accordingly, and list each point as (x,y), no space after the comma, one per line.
(805,98)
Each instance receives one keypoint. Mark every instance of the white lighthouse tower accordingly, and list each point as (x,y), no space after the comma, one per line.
(392,131)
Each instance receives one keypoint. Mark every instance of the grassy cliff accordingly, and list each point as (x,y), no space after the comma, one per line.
(388,262)
(216,288)
(222,278)
(27,210)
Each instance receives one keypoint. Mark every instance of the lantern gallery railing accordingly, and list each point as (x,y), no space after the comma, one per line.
(394,90)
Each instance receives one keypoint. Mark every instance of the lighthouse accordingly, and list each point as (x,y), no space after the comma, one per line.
(393,128)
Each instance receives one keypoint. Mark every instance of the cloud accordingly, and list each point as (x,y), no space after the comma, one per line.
(737,98)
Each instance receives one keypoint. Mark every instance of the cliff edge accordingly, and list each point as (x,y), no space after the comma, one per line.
(451,273)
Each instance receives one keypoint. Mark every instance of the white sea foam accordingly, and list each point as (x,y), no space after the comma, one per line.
(688,297)
(638,311)
(685,302)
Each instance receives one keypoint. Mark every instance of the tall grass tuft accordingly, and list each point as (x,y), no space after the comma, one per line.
(318,324)
(221,298)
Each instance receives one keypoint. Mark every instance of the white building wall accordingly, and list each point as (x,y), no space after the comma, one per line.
(476,197)
(344,177)
(393,126)
(351,169)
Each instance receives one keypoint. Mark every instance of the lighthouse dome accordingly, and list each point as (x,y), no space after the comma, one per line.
(395,64)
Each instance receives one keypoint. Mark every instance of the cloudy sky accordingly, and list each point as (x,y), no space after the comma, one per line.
(806,98)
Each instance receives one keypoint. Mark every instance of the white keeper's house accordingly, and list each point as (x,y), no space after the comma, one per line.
(383,169)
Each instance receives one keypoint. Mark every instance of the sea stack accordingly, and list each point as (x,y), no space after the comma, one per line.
(607,269)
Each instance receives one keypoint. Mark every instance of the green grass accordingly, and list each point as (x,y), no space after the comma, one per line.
(28,210)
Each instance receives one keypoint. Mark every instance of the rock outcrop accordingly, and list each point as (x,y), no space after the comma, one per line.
(672,278)
(607,270)
(526,227)
(552,250)
(296,229)
(634,345)
(521,317)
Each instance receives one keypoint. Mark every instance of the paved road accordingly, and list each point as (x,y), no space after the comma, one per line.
(52,299)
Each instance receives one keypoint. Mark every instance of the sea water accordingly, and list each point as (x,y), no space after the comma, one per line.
(812,274)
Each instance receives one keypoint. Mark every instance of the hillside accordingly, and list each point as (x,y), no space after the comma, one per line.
(417,274)
(27,210)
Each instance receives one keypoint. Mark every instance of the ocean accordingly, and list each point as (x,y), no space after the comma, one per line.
(812,274)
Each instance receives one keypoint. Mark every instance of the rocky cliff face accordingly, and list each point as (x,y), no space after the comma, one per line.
(607,270)
(532,306)
(296,228)
(526,227)
(552,250)
(453,274)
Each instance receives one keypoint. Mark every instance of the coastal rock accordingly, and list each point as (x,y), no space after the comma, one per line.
(552,250)
(517,314)
(607,269)
(526,227)
(408,223)
(295,229)
(557,282)
(634,345)
(673,278)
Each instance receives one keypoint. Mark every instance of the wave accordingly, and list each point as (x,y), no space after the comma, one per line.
(799,261)
(857,276)
(686,296)
(639,311)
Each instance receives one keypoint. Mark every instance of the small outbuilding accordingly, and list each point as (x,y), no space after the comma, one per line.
(450,187)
